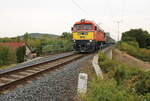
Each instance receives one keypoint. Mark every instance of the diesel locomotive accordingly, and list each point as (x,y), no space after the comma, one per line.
(88,36)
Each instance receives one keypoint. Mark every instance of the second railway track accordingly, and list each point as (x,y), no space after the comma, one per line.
(11,79)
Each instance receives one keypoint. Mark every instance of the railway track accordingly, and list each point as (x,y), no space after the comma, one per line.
(11,79)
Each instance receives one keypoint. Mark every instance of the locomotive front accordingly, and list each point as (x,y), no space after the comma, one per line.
(83,36)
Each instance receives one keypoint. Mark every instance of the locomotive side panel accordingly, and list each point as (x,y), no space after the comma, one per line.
(99,34)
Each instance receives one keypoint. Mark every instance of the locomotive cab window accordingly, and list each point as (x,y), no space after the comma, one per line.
(87,26)
(78,27)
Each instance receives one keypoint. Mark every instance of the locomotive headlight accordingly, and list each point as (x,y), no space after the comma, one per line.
(90,40)
(74,40)
(88,43)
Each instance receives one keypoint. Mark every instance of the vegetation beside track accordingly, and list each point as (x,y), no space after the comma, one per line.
(42,45)
(140,36)
(121,83)
(47,45)
(6,56)
(133,49)
(136,42)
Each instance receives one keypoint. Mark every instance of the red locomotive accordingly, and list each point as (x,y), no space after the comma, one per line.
(87,36)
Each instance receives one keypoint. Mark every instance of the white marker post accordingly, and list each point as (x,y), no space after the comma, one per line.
(82,83)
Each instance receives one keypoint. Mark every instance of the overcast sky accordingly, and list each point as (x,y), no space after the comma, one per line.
(57,16)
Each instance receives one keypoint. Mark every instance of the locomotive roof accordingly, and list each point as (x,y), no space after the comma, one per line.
(85,22)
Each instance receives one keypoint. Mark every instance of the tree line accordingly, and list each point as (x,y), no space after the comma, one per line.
(137,35)
(136,42)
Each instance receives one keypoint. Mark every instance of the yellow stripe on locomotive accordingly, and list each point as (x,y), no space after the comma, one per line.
(83,35)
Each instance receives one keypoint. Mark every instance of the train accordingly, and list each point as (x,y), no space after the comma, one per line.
(88,36)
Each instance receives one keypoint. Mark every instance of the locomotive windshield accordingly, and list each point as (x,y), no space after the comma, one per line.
(87,26)
(78,27)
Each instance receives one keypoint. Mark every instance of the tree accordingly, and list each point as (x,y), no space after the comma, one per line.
(66,35)
(26,37)
(20,53)
(148,42)
(39,50)
(18,39)
(7,56)
(142,37)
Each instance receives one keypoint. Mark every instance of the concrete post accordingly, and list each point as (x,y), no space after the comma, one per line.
(82,83)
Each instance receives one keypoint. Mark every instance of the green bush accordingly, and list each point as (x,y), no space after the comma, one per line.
(45,45)
(108,90)
(7,56)
(147,97)
(59,45)
(20,53)
(142,86)
(130,49)
(101,56)
(123,73)
(67,45)
(120,74)
(144,54)
(105,63)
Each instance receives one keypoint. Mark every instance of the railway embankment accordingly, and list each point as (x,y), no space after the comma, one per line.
(121,81)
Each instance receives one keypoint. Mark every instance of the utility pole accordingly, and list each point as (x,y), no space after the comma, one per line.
(118,23)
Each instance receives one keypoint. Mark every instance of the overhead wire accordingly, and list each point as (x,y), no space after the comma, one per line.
(107,5)
(81,8)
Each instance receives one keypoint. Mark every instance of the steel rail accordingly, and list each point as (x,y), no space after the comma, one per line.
(32,71)
(36,64)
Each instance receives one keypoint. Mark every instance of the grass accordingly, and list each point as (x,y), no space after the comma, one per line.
(133,49)
(121,83)
(7,66)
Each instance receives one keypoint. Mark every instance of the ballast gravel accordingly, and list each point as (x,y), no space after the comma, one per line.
(59,85)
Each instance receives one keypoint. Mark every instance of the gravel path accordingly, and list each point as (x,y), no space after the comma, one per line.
(60,85)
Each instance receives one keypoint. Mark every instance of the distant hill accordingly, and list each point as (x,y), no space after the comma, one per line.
(38,35)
